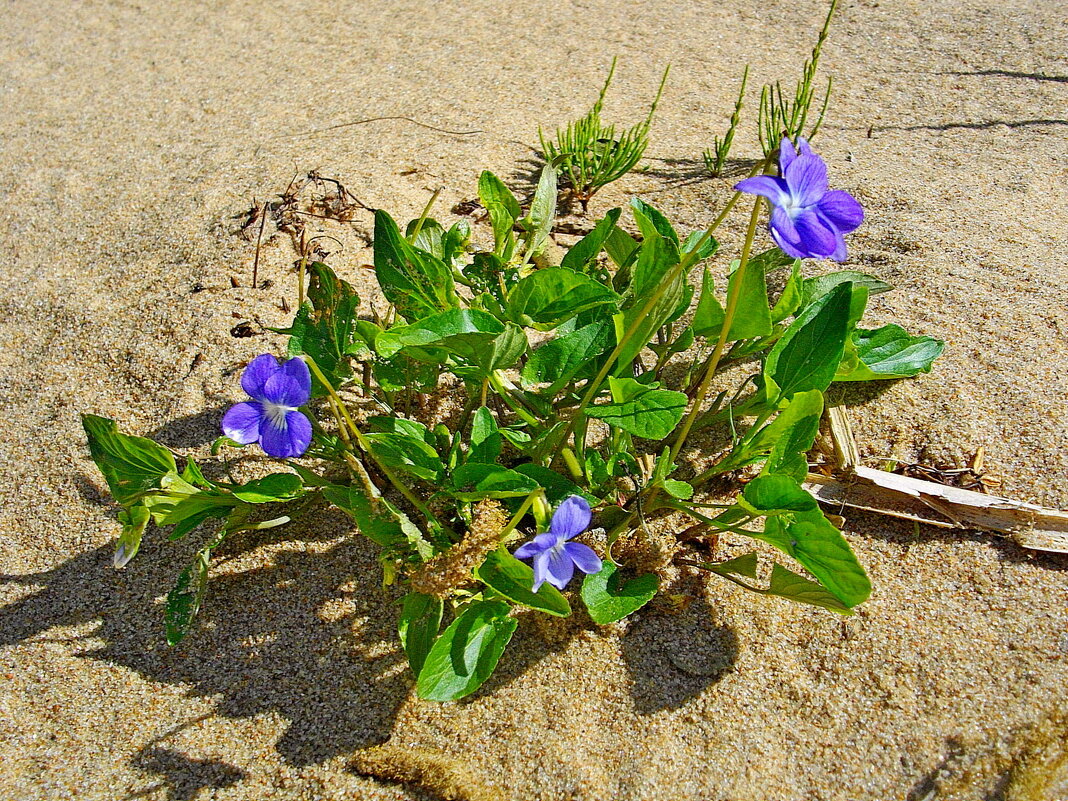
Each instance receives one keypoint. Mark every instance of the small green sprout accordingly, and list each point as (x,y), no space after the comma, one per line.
(590,155)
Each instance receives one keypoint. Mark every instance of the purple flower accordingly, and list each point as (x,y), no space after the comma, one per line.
(808,220)
(555,559)
(271,417)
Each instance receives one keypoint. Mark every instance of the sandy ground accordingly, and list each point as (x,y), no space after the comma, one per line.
(132,133)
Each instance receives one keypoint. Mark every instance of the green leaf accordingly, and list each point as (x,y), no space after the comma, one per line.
(752,316)
(474,481)
(465,655)
(792,295)
(133,520)
(513,579)
(787,584)
(643,411)
(410,454)
(709,315)
(783,583)
(485,438)
(418,626)
(380,521)
(815,288)
(808,354)
(656,259)
(586,250)
(609,599)
(491,190)
(821,549)
(651,221)
(184,599)
(620,247)
(502,352)
(678,489)
(383,424)
(776,492)
(430,239)
(539,221)
(709,247)
(270,489)
(889,352)
(401,372)
(459,331)
(557,487)
(551,296)
(130,465)
(417,283)
(560,360)
(791,432)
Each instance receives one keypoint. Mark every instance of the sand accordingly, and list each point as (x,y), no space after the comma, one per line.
(133,134)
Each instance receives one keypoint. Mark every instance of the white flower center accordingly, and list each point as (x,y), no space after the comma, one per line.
(276,413)
(792,207)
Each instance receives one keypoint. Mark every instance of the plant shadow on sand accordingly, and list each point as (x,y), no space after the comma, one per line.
(304,632)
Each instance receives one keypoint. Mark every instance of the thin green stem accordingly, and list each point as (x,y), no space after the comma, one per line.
(366,446)
(690,258)
(728,318)
(425,214)
(518,516)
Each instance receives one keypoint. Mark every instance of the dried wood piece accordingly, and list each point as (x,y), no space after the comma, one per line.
(1029,525)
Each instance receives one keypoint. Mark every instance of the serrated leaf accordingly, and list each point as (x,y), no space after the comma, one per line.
(609,599)
(643,411)
(130,465)
(133,520)
(539,220)
(462,332)
(890,352)
(491,190)
(274,488)
(418,626)
(709,315)
(381,522)
(485,438)
(777,492)
(465,655)
(410,454)
(475,481)
(792,295)
(513,579)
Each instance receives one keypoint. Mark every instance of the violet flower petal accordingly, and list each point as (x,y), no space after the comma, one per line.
(791,249)
(297,369)
(842,209)
(559,568)
(774,189)
(583,557)
(300,432)
(284,390)
(816,237)
(807,178)
(256,374)
(781,222)
(787,153)
(539,544)
(803,147)
(571,518)
(241,423)
(287,440)
(541,570)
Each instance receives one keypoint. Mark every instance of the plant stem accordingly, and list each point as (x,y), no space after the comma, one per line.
(366,446)
(425,214)
(520,513)
(728,319)
(685,263)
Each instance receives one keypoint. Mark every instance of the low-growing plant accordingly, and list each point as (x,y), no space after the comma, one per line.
(589,153)
(577,387)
